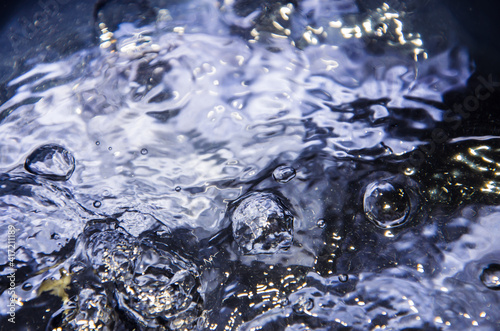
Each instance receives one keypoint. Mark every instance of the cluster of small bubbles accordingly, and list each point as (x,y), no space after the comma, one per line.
(386,205)
(343,278)
(171,297)
(144,151)
(283,174)
(261,224)
(321,223)
(491,276)
(152,286)
(112,254)
(89,311)
(97,204)
(52,162)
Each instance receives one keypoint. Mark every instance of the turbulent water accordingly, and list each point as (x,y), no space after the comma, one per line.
(249,166)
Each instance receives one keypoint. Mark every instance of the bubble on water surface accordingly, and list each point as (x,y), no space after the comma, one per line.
(343,278)
(27,286)
(112,254)
(153,286)
(491,276)
(283,174)
(97,204)
(89,311)
(77,267)
(144,151)
(52,162)
(166,291)
(262,224)
(303,305)
(385,204)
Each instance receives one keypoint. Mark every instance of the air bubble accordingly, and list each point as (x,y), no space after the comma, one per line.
(97,204)
(91,306)
(386,205)
(321,224)
(283,174)
(150,284)
(97,142)
(27,287)
(144,151)
(262,224)
(177,189)
(76,267)
(112,254)
(491,277)
(110,148)
(168,291)
(343,278)
(303,306)
(52,162)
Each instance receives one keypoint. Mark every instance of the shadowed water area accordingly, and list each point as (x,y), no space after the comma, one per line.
(247,165)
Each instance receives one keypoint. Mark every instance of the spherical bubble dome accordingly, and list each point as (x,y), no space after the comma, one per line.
(262,224)
(385,204)
(283,174)
(52,162)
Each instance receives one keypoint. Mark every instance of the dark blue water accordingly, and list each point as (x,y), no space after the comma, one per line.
(234,165)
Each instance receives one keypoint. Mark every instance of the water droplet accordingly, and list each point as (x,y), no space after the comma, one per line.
(343,278)
(27,286)
(261,224)
(52,162)
(178,189)
(97,142)
(386,205)
(97,204)
(144,151)
(321,224)
(283,174)
(491,276)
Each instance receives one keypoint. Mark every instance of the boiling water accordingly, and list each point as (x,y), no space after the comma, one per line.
(233,166)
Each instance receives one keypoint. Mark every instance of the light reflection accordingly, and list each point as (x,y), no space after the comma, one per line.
(491,187)
(486,164)
(387,24)
(106,36)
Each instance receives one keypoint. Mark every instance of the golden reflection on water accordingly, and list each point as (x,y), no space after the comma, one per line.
(384,24)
